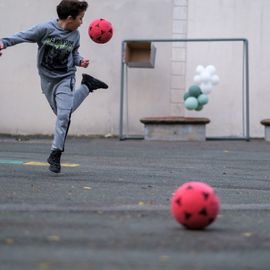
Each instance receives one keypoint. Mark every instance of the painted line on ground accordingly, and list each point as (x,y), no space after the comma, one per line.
(8,161)
(33,163)
(36,163)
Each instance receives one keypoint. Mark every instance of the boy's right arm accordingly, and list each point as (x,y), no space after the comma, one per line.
(31,35)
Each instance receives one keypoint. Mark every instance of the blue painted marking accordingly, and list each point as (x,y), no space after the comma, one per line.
(6,161)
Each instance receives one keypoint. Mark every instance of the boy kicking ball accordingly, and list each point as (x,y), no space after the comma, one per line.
(58,43)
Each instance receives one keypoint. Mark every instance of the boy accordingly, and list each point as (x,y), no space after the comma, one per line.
(58,43)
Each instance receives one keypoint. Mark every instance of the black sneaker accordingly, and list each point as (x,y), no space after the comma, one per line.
(54,161)
(93,83)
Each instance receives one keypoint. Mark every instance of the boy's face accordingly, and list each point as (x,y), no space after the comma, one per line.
(74,24)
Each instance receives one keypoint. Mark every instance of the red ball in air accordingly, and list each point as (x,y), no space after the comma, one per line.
(100,31)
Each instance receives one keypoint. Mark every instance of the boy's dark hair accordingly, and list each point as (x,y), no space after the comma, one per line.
(70,8)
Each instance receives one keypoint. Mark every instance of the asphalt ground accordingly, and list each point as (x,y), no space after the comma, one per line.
(112,211)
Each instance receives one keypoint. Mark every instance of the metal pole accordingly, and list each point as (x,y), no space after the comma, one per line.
(247,89)
(244,109)
(187,40)
(122,92)
(126,99)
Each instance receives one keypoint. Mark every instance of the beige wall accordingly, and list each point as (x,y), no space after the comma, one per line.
(232,18)
(23,109)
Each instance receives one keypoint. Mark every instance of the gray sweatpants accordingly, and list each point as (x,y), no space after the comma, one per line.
(64,100)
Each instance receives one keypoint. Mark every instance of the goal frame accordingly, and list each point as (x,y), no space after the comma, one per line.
(245,85)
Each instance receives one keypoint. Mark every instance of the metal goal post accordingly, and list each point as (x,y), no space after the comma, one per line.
(245,83)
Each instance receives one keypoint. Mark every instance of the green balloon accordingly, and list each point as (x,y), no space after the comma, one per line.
(199,107)
(203,99)
(194,91)
(186,95)
(191,103)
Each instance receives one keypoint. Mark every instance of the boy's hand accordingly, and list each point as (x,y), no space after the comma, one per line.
(84,63)
(1,48)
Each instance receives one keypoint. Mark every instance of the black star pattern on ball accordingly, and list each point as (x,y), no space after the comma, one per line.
(205,195)
(178,202)
(203,212)
(187,215)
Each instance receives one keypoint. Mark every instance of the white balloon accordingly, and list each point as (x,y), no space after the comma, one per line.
(206,91)
(199,69)
(205,76)
(202,86)
(197,79)
(215,79)
(211,69)
(206,88)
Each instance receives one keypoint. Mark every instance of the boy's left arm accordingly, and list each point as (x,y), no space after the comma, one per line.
(84,63)
(1,47)
(78,60)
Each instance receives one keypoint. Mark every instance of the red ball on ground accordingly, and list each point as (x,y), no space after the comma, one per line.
(195,205)
(100,31)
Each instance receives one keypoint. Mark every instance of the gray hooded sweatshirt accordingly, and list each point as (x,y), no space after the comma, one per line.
(58,53)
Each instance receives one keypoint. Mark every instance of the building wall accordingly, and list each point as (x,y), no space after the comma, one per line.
(24,110)
(158,91)
(232,19)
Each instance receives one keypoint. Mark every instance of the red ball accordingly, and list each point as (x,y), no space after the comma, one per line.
(100,31)
(195,205)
